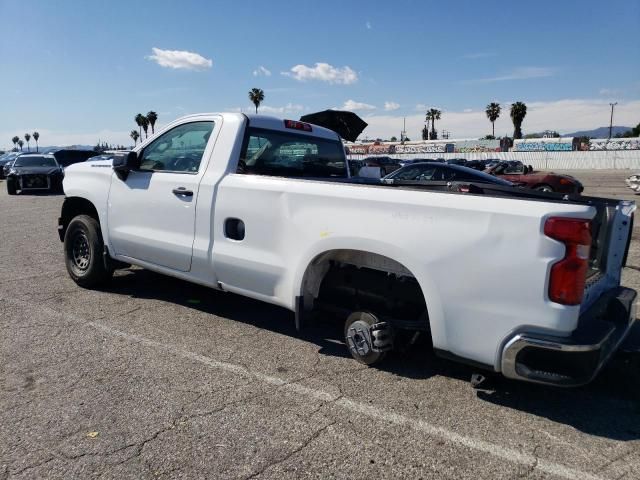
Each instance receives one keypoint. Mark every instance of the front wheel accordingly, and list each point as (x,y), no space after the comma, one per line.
(544,188)
(83,248)
(11,186)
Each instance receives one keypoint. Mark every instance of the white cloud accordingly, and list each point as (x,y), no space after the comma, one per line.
(368,25)
(352,105)
(520,73)
(179,59)
(421,107)
(467,110)
(324,73)
(261,71)
(390,106)
(565,116)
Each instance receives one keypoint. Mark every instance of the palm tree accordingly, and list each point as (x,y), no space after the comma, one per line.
(27,137)
(145,126)
(152,117)
(134,135)
(433,114)
(138,118)
(493,112)
(36,136)
(256,95)
(20,144)
(518,112)
(15,142)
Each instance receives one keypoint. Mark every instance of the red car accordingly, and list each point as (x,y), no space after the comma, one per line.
(519,173)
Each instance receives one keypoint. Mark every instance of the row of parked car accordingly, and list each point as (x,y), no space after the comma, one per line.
(38,172)
(494,171)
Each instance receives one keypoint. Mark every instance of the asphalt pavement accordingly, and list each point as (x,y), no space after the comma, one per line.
(153,377)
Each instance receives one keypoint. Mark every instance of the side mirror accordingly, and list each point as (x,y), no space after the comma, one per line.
(123,163)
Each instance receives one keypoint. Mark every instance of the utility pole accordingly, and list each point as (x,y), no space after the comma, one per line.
(611,121)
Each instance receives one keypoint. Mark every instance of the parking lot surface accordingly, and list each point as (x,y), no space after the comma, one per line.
(153,377)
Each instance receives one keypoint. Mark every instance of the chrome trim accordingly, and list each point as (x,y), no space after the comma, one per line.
(523,340)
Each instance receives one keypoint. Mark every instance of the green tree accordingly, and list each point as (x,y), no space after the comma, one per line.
(27,137)
(433,114)
(634,132)
(393,139)
(134,135)
(139,120)
(518,112)
(20,144)
(36,136)
(256,95)
(493,112)
(152,117)
(15,142)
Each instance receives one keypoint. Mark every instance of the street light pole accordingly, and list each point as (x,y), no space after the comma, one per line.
(611,121)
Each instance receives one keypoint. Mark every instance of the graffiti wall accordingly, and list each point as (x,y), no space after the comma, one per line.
(596,144)
(473,146)
(425,148)
(543,145)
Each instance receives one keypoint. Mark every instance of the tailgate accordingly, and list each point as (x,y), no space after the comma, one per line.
(611,236)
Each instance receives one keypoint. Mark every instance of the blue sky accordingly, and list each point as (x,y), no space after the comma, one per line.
(77,71)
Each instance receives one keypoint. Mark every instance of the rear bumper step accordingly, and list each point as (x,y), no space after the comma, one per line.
(575,360)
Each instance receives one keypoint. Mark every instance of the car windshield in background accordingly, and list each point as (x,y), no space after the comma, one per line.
(284,154)
(35,162)
(445,173)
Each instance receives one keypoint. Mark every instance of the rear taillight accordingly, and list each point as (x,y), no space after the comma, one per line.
(568,276)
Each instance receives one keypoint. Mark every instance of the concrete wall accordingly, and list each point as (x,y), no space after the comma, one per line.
(614,159)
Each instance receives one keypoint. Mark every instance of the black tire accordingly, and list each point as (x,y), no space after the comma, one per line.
(83,249)
(356,320)
(11,186)
(544,188)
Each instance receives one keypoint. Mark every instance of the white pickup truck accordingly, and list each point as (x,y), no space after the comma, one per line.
(509,280)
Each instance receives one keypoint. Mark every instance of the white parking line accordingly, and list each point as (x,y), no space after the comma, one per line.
(504,453)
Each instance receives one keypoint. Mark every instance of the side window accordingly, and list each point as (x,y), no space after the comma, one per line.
(515,168)
(178,150)
(416,173)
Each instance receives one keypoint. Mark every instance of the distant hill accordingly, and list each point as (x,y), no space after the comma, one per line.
(602,132)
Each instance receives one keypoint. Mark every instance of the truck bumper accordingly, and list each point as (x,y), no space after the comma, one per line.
(610,324)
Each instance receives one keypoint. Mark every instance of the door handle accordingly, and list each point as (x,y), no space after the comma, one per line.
(182,191)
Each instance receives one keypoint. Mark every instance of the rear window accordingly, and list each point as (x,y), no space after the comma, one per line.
(285,154)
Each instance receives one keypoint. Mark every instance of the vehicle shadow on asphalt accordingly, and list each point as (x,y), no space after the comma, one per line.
(608,407)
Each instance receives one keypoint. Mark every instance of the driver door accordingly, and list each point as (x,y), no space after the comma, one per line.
(151,213)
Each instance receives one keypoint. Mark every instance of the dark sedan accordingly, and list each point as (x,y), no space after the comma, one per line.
(38,173)
(438,172)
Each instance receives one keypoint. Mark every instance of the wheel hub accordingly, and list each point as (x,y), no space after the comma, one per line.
(80,251)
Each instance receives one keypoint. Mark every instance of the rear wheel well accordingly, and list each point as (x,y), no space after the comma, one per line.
(343,281)
(71,208)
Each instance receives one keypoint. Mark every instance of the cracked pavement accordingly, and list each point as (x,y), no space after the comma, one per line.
(153,378)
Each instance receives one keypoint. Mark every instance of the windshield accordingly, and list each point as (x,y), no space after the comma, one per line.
(446,173)
(35,162)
